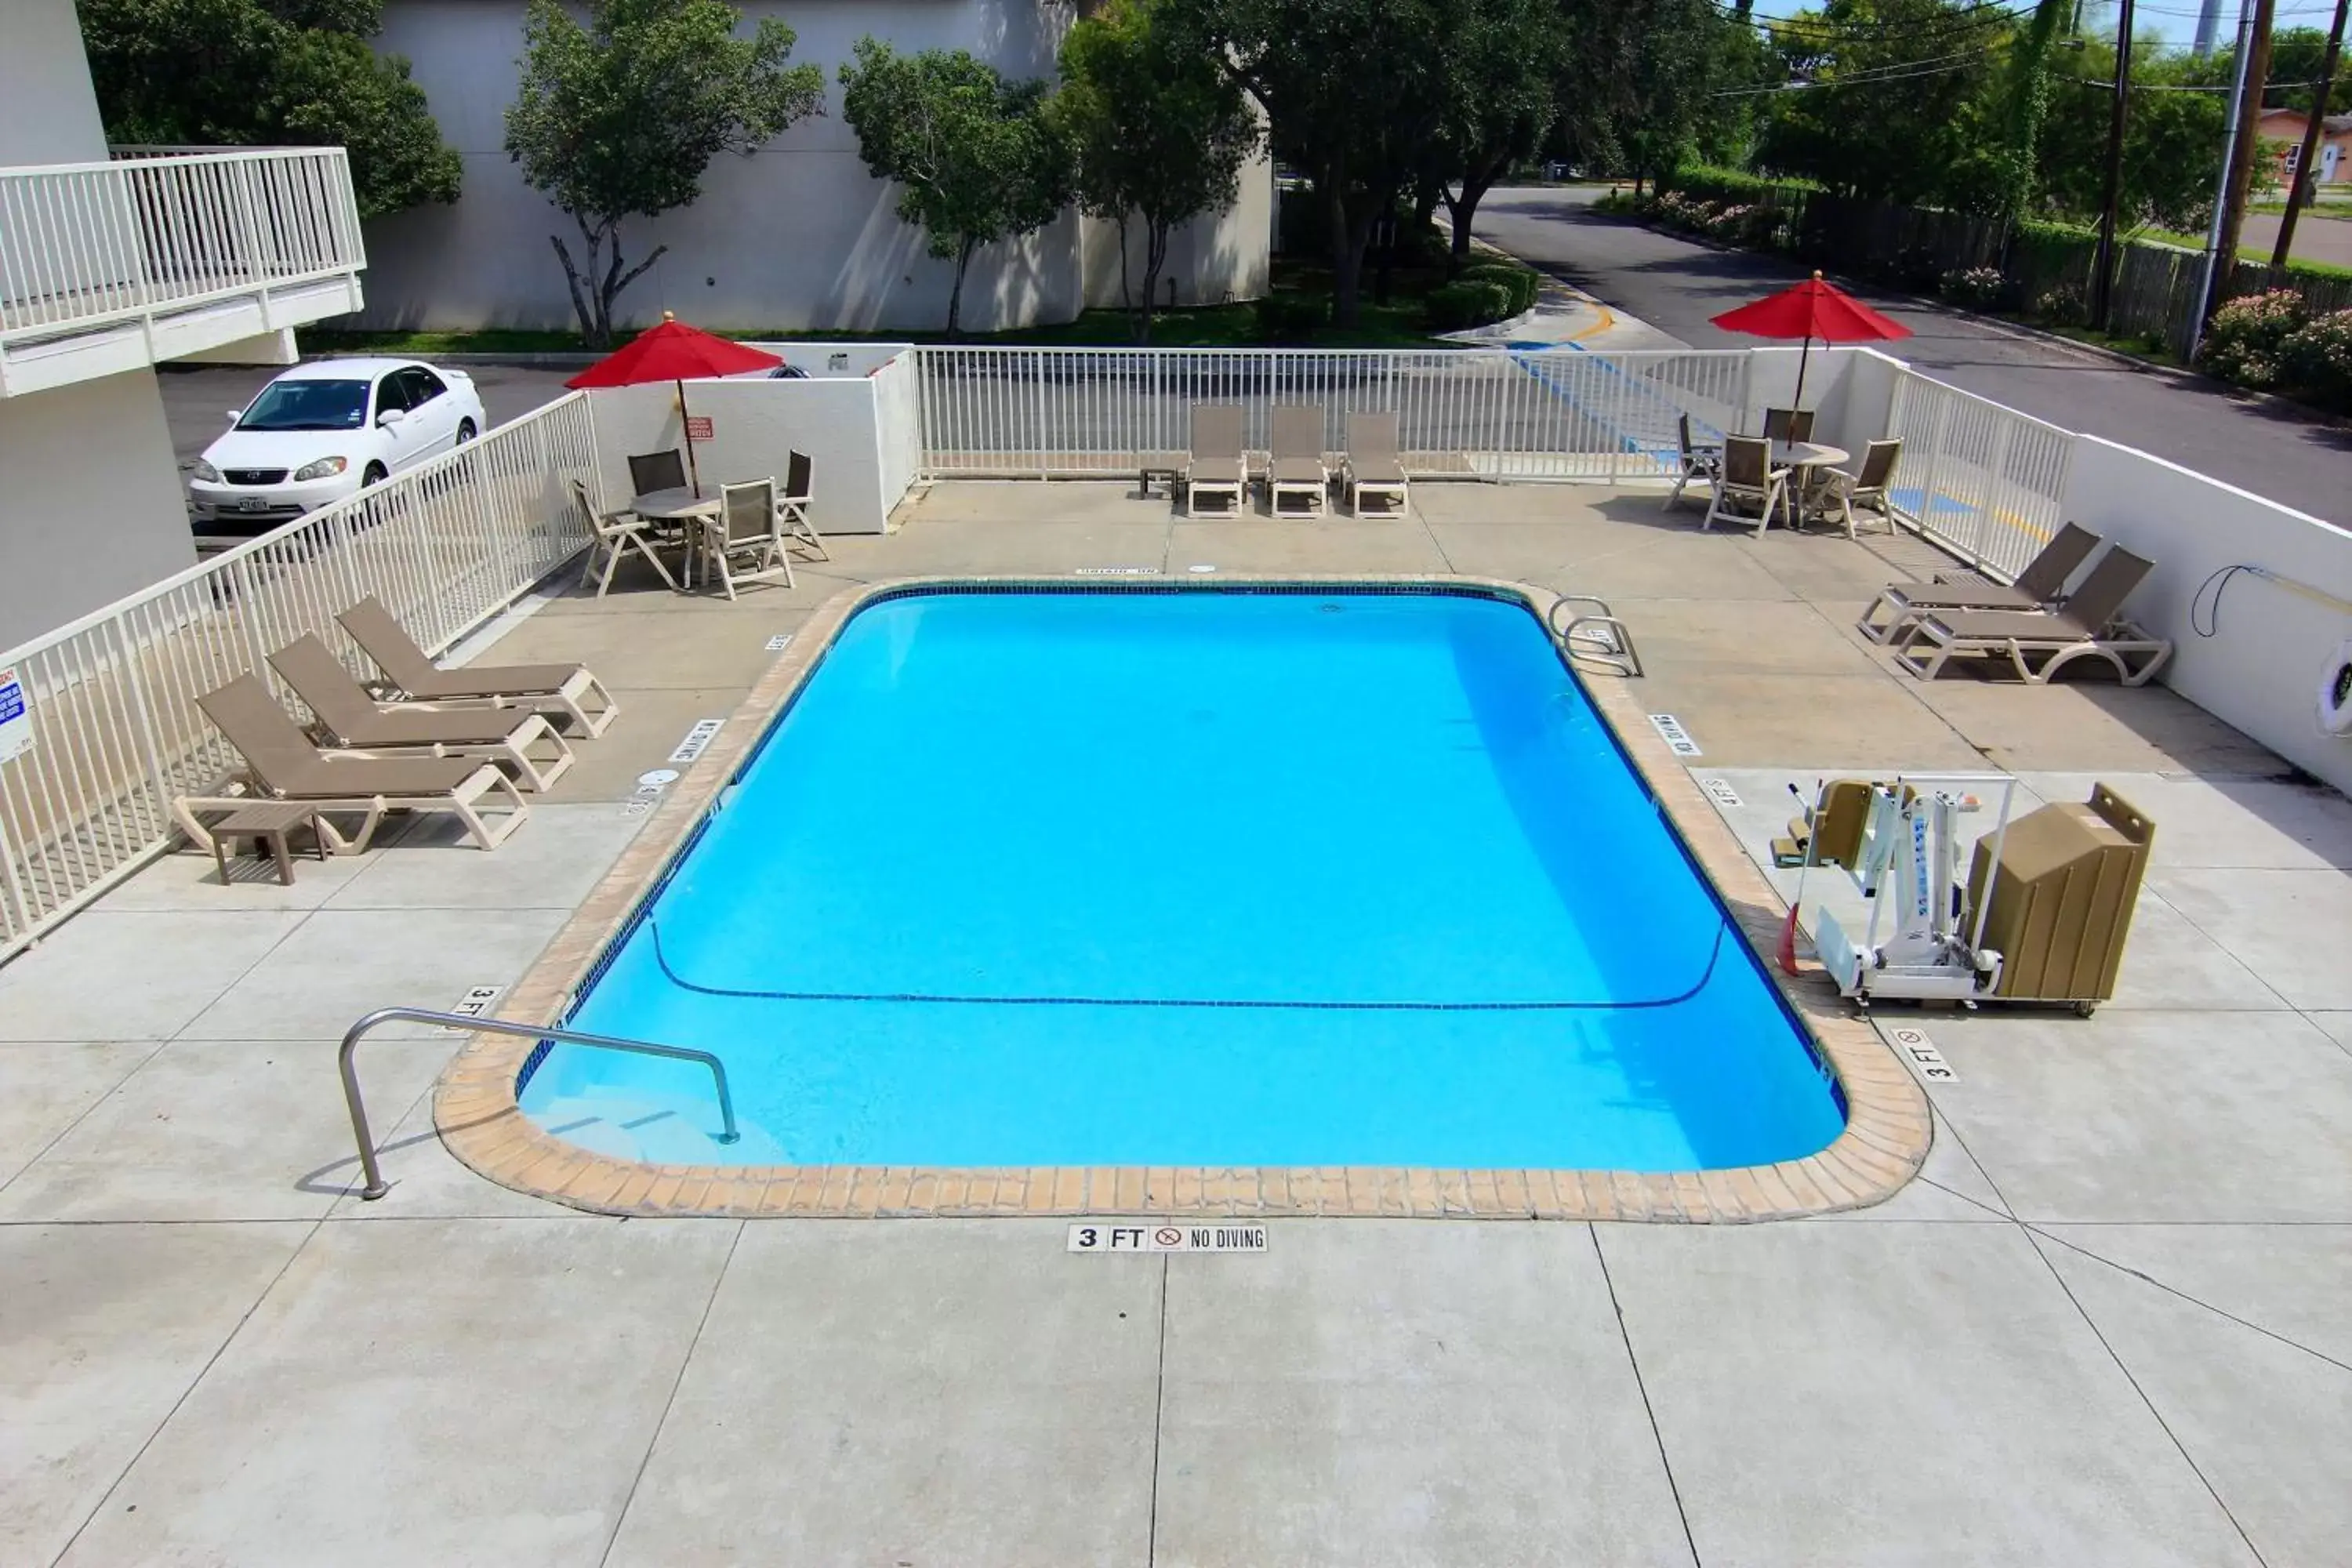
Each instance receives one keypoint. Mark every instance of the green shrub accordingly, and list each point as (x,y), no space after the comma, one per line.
(1289,317)
(2316,360)
(1707,182)
(2247,342)
(1468,304)
(1522,281)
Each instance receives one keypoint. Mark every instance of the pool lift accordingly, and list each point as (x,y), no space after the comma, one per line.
(1909,861)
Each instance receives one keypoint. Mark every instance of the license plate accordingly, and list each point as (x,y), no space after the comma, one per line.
(252,503)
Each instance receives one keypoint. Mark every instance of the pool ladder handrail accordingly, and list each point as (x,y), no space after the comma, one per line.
(376,1186)
(1598,634)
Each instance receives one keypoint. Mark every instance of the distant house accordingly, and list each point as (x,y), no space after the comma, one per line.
(2287,126)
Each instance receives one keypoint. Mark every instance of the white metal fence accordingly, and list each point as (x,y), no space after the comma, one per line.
(1978,477)
(112,698)
(167,228)
(1548,414)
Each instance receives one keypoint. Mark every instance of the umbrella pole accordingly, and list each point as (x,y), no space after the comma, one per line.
(1797,402)
(694,474)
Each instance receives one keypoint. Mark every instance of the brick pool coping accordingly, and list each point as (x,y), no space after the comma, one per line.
(1887,1135)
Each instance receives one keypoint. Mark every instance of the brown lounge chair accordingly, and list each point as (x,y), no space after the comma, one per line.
(283,765)
(559,687)
(1216,472)
(1296,469)
(1373,470)
(353,721)
(2089,624)
(2038,587)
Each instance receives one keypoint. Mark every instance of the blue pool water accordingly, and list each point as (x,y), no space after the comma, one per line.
(1191,879)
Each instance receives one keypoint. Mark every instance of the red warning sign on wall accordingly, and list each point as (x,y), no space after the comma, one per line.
(698,426)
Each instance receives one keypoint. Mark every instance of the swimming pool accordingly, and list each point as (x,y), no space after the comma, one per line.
(1305,877)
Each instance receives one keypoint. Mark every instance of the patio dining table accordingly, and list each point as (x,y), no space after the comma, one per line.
(1801,458)
(689,511)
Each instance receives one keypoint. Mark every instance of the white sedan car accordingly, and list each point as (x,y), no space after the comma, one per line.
(321,431)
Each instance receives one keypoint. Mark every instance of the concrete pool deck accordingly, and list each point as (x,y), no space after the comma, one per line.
(2105,1325)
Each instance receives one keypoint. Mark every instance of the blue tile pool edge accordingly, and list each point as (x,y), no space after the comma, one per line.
(1887,1130)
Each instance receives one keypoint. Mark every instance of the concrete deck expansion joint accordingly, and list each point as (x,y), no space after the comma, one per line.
(1886,1136)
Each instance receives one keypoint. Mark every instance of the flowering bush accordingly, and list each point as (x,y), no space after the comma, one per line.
(1973,288)
(2318,360)
(2247,342)
(2062,304)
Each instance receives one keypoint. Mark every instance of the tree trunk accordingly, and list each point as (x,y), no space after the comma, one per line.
(1464,211)
(1125,295)
(1155,257)
(580,306)
(1349,235)
(955,291)
(1424,208)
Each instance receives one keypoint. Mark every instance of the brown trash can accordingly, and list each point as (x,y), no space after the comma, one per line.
(2062,897)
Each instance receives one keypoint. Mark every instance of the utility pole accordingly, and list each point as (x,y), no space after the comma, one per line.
(2103,277)
(2209,26)
(2304,186)
(2207,289)
(2246,145)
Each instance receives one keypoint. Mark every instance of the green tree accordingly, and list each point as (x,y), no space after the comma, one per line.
(619,119)
(231,73)
(1640,79)
(2172,138)
(976,158)
(1896,104)
(1353,92)
(1503,62)
(1155,131)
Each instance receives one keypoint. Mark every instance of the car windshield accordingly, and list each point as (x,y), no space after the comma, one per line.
(308,406)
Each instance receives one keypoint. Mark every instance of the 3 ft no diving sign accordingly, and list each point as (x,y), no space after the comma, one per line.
(1107,1236)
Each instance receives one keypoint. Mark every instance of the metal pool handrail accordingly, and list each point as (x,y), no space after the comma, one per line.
(376,1186)
(1600,636)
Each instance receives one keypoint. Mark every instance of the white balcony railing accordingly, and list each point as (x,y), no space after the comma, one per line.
(155,232)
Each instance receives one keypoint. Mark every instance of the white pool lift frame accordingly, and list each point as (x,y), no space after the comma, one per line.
(1915,843)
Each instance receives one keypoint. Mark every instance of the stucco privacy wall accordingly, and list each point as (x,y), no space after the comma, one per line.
(91,508)
(48,110)
(796,236)
(2261,671)
(755,427)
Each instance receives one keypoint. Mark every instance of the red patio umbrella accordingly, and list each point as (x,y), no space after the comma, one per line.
(675,351)
(1811,310)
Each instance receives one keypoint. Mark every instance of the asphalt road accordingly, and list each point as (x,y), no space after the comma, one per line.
(1676,284)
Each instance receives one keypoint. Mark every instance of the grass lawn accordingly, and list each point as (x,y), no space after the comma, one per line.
(1395,325)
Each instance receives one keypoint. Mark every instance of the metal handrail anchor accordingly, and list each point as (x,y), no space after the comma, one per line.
(1597,635)
(376,1186)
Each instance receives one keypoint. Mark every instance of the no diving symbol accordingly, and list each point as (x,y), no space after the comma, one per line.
(1168,1236)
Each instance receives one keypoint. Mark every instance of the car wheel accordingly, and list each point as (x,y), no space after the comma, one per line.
(376,474)
(465,431)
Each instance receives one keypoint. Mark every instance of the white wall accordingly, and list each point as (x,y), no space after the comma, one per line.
(798,235)
(1772,384)
(2261,671)
(755,426)
(48,110)
(91,508)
